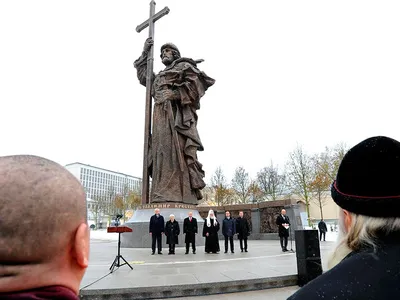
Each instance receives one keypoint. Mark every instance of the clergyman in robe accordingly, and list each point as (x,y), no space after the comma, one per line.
(210,232)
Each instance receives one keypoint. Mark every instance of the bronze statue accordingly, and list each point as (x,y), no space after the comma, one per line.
(177,175)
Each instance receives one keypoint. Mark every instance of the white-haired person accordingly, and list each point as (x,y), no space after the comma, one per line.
(366,261)
(210,232)
(172,232)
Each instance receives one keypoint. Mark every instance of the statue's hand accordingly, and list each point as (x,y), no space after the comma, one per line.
(148,44)
(170,95)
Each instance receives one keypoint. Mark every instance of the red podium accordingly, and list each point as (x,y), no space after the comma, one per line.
(119,230)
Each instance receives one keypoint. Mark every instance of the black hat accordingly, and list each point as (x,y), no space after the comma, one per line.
(368,179)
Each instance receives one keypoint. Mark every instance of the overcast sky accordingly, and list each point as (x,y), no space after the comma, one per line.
(309,72)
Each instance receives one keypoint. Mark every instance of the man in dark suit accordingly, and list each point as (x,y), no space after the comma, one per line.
(229,230)
(322,229)
(190,231)
(283,229)
(156,229)
(243,230)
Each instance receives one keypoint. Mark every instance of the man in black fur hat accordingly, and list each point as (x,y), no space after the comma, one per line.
(366,262)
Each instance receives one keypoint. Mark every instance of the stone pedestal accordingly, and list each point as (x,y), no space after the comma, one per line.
(140,237)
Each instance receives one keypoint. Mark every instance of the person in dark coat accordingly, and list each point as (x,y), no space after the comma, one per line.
(365,264)
(229,230)
(210,232)
(156,229)
(190,231)
(322,229)
(283,223)
(243,230)
(172,232)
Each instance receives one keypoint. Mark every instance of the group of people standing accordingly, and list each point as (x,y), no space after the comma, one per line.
(230,227)
(171,229)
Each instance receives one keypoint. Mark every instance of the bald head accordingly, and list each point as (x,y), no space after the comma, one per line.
(42,208)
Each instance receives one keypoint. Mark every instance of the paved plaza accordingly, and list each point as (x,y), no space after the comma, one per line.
(264,260)
(270,294)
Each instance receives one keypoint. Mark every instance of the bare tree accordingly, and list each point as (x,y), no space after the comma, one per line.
(320,183)
(220,187)
(134,198)
(271,183)
(125,200)
(339,151)
(218,178)
(255,193)
(241,184)
(329,160)
(98,207)
(111,208)
(300,175)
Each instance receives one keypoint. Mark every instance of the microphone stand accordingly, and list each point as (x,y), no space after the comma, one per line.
(291,240)
(116,262)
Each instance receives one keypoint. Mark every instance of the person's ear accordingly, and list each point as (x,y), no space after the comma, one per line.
(347,220)
(81,247)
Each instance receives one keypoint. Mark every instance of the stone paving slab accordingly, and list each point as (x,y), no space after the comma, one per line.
(263,261)
(270,294)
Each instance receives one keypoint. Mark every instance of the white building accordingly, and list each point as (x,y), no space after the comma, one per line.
(98,181)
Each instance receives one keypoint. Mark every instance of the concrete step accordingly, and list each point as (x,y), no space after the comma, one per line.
(187,290)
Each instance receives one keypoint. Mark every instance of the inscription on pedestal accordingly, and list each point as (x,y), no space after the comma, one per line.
(166,205)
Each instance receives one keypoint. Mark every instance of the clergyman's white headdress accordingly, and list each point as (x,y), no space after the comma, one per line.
(209,218)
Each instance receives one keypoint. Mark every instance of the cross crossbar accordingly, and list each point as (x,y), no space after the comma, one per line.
(156,17)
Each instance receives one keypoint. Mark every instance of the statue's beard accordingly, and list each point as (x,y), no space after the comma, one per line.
(167,60)
(341,250)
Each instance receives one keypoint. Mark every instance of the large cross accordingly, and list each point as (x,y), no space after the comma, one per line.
(147,123)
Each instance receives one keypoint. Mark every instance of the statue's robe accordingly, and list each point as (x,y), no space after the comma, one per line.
(169,182)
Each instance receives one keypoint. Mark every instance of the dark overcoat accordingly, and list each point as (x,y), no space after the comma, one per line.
(172,231)
(282,231)
(322,226)
(156,225)
(190,229)
(363,275)
(242,228)
(229,227)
